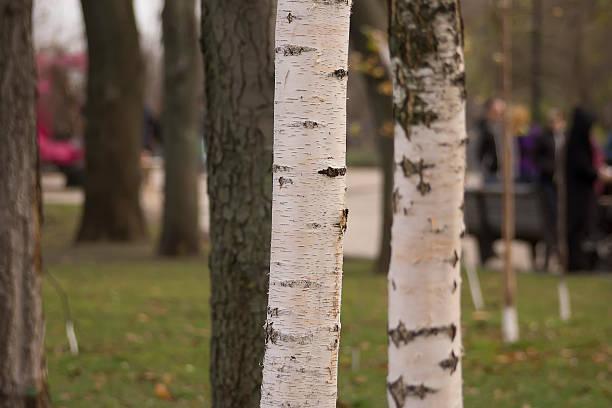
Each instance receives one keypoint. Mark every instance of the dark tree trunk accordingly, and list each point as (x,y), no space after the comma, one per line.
(22,355)
(536,61)
(114,124)
(374,14)
(181,130)
(238,43)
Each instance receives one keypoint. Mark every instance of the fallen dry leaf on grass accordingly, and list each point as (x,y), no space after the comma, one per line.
(162,392)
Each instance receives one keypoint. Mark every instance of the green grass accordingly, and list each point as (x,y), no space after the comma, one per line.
(143,321)
(362,158)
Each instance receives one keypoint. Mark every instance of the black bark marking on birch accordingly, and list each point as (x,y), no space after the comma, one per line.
(454,259)
(314,225)
(290,18)
(283,180)
(401,335)
(276,168)
(412,32)
(308,124)
(411,168)
(455,286)
(293,50)
(301,283)
(332,2)
(343,221)
(400,391)
(450,363)
(423,188)
(435,230)
(273,312)
(396,201)
(412,38)
(393,284)
(270,333)
(340,73)
(333,172)
(274,336)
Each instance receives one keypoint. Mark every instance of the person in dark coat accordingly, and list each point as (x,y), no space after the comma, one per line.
(580,176)
(547,151)
(489,140)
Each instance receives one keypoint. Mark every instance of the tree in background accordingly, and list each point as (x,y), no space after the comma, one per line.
(426,43)
(573,50)
(22,352)
(114,130)
(181,130)
(237,43)
(368,27)
(309,216)
(510,328)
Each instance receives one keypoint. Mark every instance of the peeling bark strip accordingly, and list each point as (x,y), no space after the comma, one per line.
(309,218)
(402,335)
(450,363)
(293,50)
(424,277)
(396,200)
(401,392)
(344,221)
(333,172)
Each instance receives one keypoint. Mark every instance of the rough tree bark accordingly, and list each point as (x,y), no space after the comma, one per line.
(309,216)
(114,128)
(426,42)
(237,42)
(22,356)
(181,130)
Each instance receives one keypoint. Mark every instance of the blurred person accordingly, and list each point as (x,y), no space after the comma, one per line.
(581,174)
(526,170)
(607,123)
(489,139)
(548,147)
(547,151)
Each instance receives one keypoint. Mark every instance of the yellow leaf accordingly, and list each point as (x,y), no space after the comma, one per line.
(161,391)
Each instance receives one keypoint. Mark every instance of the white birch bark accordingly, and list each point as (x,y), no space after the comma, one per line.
(424,277)
(308,209)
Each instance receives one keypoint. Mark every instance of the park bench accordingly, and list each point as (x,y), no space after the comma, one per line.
(484,214)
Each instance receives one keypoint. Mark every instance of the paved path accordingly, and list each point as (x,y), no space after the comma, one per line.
(364,200)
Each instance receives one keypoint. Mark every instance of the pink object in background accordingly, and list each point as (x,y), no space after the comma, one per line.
(60,153)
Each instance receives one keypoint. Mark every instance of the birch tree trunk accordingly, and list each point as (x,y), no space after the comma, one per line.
(22,355)
(238,46)
(309,216)
(181,130)
(426,42)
